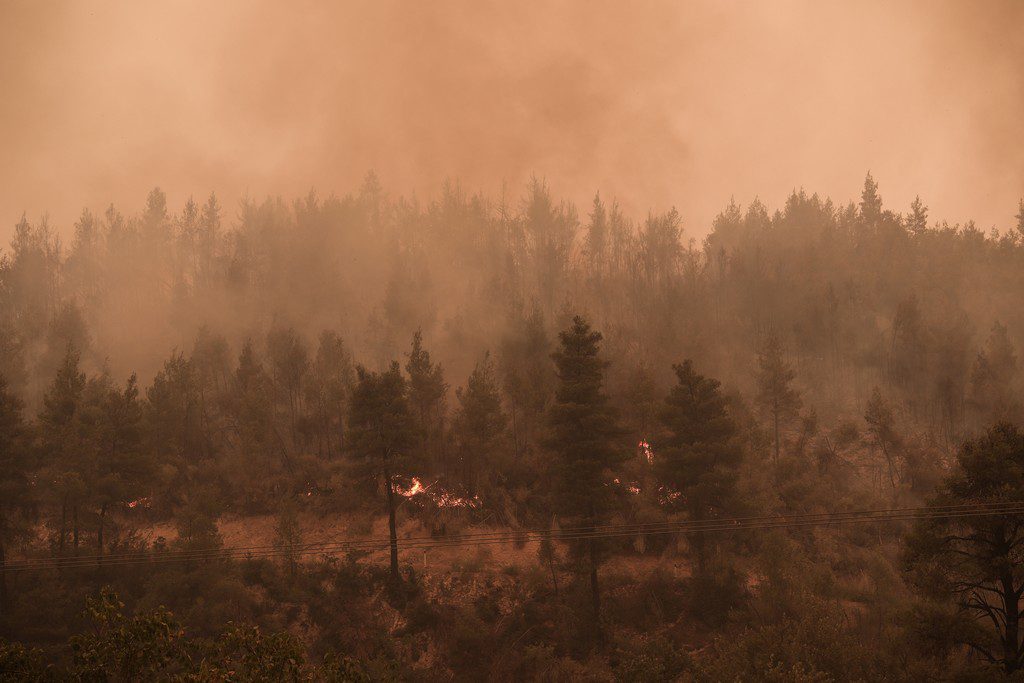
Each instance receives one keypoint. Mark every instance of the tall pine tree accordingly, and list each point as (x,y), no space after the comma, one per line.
(427,391)
(778,400)
(585,439)
(15,489)
(381,436)
(700,455)
(480,428)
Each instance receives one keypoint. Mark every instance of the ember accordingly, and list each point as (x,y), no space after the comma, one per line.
(442,499)
(645,450)
(417,487)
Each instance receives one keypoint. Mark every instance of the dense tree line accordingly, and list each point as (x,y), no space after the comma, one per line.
(299,360)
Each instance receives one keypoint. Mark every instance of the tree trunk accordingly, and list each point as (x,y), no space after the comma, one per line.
(515,433)
(392,527)
(595,592)
(554,576)
(776,416)
(1011,639)
(74,524)
(63,524)
(3,577)
(99,532)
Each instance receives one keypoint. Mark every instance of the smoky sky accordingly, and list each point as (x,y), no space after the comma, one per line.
(657,104)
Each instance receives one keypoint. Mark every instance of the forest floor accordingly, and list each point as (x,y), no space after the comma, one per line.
(260,531)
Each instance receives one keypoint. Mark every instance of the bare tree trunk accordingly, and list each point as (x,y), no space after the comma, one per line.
(63,524)
(3,577)
(1011,639)
(776,416)
(515,432)
(99,532)
(595,592)
(392,526)
(554,576)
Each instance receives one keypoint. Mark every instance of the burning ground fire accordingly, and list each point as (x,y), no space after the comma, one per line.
(442,499)
(645,450)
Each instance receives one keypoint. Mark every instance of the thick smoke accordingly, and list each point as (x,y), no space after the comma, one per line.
(656,103)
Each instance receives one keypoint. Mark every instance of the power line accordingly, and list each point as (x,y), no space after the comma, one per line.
(829,517)
(759,523)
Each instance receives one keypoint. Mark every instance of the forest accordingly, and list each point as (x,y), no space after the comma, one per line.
(375,437)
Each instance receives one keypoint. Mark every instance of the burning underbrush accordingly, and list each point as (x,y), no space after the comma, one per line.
(441,510)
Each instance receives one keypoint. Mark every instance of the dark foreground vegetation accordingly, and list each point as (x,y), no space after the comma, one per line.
(588,389)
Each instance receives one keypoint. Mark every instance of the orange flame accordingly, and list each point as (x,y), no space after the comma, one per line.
(646,450)
(416,488)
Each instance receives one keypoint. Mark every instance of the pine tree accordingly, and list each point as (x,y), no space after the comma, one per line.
(289,363)
(427,391)
(252,405)
(1020,219)
(917,221)
(121,468)
(381,436)
(993,384)
(778,400)
(62,444)
(700,455)
(480,427)
(976,560)
(329,391)
(597,236)
(526,377)
(584,438)
(870,201)
(15,488)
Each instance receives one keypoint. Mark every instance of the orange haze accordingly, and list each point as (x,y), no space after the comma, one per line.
(656,103)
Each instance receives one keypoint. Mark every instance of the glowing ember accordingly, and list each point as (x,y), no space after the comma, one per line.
(448,500)
(441,499)
(416,488)
(632,487)
(646,450)
(140,503)
(668,496)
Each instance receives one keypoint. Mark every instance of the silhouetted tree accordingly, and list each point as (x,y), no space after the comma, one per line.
(977,559)
(427,394)
(480,427)
(16,499)
(993,395)
(63,444)
(870,201)
(917,221)
(526,376)
(778,400)
(700,456)
(585,440)
(381,436)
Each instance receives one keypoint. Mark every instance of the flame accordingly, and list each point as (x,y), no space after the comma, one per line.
(442,499)
(416,488)
(140,503)
(645,450)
